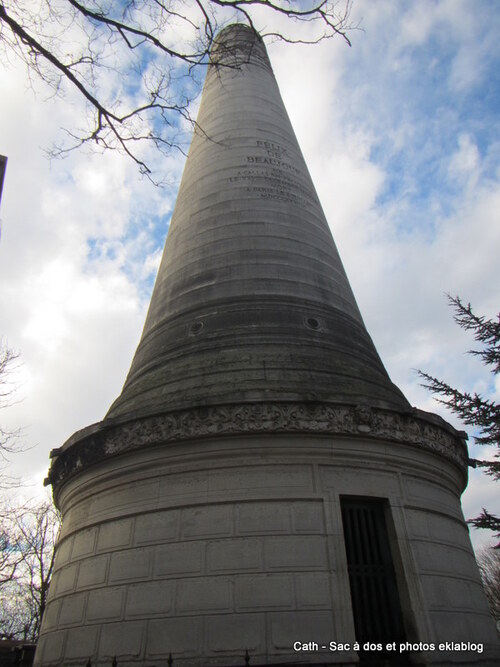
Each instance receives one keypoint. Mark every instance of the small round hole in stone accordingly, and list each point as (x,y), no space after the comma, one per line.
(195,328)
(312,323)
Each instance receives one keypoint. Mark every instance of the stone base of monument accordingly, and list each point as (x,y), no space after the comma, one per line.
(202,548)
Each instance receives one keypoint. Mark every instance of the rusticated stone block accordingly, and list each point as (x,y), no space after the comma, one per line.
(52,613)
(179,558)
(92,571)
(287,628)
(63,552)
(179,636)
(313,590)
(72,609)
(202,594)
(418,522)
(115,534)
(264,591)
(307,517)
(448,529)
(81,642)
(50,646)
(449,593)
(212,520)
(122,640)
(105,604)
(261,518)
(438,558)
(157,527)
(235,633)
(234,555)
(149,599)
(84,544)
(456,628)
(431,495)
(65,581)
(130,565)
(295,552)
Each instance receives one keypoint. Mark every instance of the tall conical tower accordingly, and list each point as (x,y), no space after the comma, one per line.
(260,485)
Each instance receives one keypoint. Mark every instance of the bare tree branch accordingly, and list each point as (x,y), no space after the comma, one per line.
(9,438)
(134,63)
(28,534)
(488,560)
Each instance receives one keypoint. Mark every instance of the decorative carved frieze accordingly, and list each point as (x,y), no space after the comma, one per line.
(414,428)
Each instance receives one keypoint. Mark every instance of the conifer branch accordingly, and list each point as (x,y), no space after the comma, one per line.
(473,409)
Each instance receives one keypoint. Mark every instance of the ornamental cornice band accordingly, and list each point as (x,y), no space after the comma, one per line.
(105,439)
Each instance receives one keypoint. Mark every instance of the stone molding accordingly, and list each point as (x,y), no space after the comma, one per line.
(101,441)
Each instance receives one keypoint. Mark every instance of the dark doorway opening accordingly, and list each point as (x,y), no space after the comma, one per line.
(376,606)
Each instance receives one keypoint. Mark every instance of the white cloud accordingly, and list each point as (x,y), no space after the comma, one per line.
(75,318)
(465,162)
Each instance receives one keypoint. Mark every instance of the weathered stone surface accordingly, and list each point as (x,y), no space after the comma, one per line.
(92,572)
(226,558)
(295,553)
(234,555)
(229,633)
(130,565)
(204,594)
(150,599)
(105,604)
(251,302)
(65,581)
(179,636)
(123,639)
(116,536)
(84,544)
(82,643)
(203,517)
(72,609)
(181,558)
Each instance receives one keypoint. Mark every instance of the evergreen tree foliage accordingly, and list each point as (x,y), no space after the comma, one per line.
(473,409)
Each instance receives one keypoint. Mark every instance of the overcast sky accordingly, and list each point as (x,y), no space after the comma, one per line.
(401,136)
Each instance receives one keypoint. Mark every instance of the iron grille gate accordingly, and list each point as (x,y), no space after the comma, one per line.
(375,599)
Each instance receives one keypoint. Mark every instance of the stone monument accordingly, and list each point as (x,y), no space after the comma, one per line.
(260,488)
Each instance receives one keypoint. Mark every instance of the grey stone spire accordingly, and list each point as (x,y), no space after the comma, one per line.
(260,477)
(251,302)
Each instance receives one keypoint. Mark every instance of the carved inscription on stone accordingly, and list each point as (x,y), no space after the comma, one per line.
(268,173)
